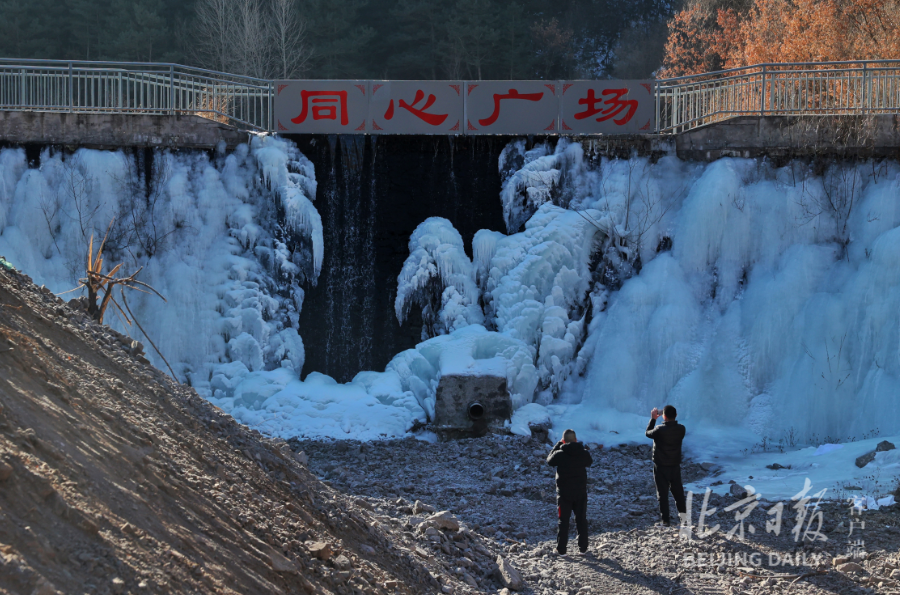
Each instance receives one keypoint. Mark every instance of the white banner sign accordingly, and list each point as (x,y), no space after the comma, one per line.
(465,107)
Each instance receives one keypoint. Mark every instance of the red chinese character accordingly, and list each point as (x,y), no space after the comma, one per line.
(324,106)
(433,119)
(616,106)
(513,94)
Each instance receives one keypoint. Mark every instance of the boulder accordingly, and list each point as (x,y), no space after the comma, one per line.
(342,562)
(850,567)
(865,459)
(117,585)
(281,564)
(321,550)
(509,575)
(363,504)
(884,445)
(737,490)
(419,507)
(443,520)
(368,550)
(6,471)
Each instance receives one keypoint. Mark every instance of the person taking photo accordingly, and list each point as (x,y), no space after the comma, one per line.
(571,460)
(667,438)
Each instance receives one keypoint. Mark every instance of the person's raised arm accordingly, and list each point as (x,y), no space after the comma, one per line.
(651,427)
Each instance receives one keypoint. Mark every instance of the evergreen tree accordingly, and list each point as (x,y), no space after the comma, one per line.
(339,40)
(86,27)
(473,39)
(416,40)
(136,31)
(32,29)
(517,56)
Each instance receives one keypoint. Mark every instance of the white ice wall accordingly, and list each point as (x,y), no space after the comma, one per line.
(231,285)
(770,312)
(760,317)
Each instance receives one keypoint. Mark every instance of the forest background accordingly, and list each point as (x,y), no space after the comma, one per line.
(440,39)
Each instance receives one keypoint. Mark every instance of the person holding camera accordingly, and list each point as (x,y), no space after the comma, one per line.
(667,438)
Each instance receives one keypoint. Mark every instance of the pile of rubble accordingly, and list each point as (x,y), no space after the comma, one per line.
(116,479)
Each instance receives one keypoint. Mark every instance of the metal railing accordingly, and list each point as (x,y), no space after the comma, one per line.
(811,88)
(135,88)
(682,103)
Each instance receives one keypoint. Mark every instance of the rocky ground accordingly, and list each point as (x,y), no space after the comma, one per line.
(115,479)
(501,492)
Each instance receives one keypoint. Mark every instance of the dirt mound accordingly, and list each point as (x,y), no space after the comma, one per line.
(116,479)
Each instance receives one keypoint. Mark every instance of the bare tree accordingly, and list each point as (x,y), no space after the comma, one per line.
(260,38)
(145,230)
(78,191)
(212,41)
(251,40)
(644,207)
(841,190)
(291,54)
(99,284)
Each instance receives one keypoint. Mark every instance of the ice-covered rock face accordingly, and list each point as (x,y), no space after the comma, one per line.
(225,239)
(748,296)
(537,176)
(756,299)
(438,277)
(775,311)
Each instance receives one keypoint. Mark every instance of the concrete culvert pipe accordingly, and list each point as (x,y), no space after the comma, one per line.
(476,411)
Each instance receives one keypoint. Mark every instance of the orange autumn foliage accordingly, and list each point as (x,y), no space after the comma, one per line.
(703,38)
(690,47)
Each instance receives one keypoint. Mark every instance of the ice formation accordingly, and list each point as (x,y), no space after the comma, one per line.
(205,232)
(752,297)
(438,277)
(768,313)
(762,301)
(537,176)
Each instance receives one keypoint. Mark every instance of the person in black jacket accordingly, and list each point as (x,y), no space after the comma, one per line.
(667,438)
(571,460)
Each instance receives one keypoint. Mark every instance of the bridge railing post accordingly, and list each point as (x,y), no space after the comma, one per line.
(772,79)
(171,90)
(657,100)
(271,119)
(762,93)
(71,89)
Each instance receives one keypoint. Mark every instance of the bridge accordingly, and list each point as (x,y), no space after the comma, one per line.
(154,104)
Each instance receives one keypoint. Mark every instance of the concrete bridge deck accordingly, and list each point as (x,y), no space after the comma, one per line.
(746,136)
(112,131)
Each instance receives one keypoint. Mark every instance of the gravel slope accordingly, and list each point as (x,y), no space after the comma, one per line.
(502,491)
(115,479)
